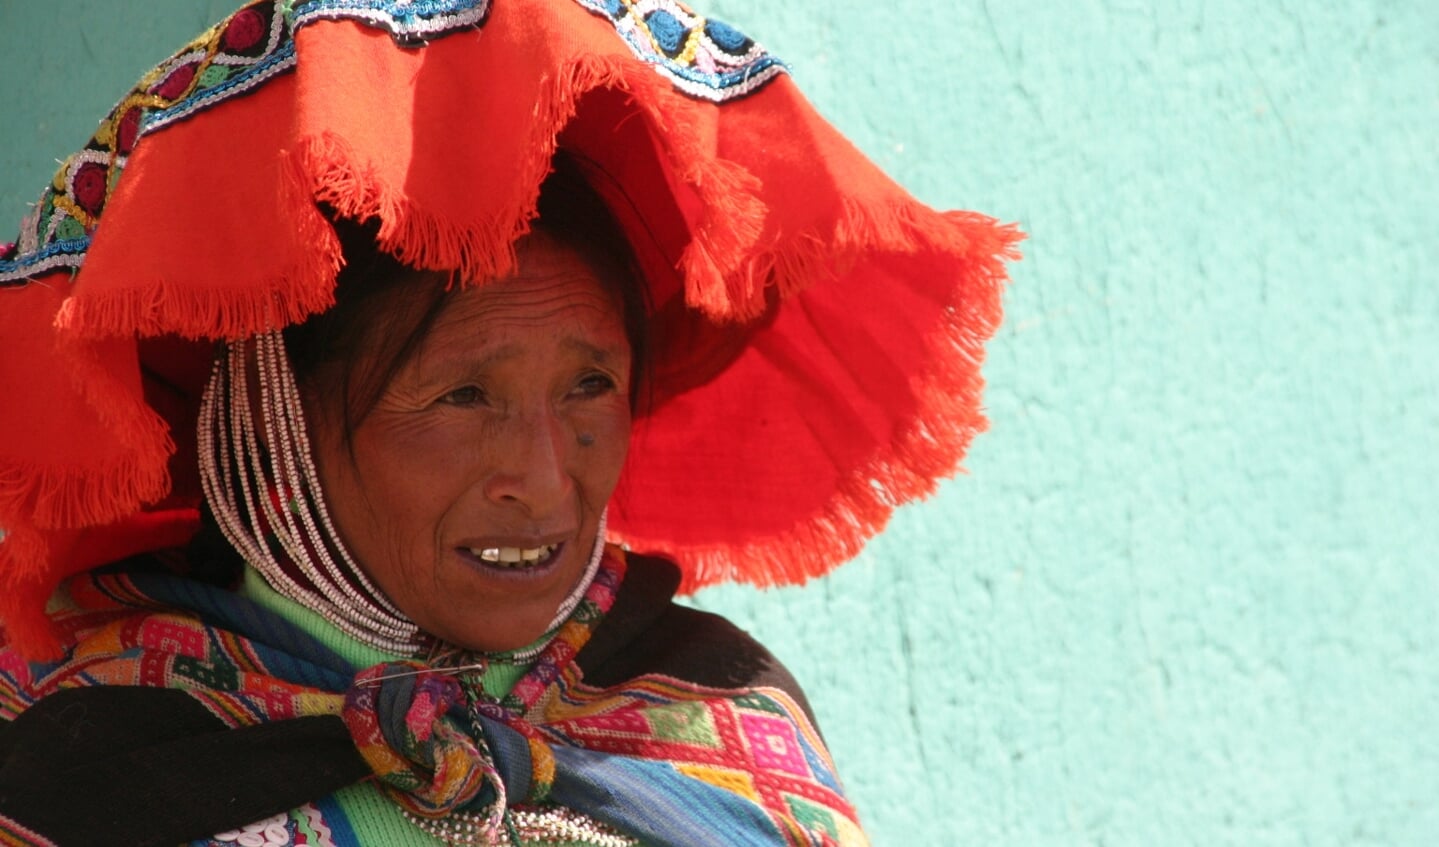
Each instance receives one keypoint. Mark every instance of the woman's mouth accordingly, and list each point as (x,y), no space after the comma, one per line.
(515,557)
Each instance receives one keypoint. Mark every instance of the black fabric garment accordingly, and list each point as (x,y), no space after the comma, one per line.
(153,766)
(646,632)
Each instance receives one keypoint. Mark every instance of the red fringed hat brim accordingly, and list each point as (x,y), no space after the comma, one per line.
(817,333)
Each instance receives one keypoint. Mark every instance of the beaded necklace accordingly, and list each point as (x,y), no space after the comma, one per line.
(262,505)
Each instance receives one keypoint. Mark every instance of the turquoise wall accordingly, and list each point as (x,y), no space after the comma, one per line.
(1186,592)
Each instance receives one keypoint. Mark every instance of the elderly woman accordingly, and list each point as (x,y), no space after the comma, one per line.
(425,351)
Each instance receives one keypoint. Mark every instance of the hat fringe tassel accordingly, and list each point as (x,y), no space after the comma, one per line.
(24,593)
(155,307)
(43,501)
(947,417)
(58,496)
(329,171)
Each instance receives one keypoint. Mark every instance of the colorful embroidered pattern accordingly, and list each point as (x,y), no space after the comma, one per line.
(234,57)
(410,22)
(683,756)
(707,59)
(308,826)
(757,745)
(282,830)
(458,766)
(703,58)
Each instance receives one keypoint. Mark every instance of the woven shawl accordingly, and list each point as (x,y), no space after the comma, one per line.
(663,723)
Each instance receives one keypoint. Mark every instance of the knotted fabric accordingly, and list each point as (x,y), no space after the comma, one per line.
(411,723)
(655,757)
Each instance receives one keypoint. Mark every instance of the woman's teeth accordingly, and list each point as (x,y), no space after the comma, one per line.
(513,557)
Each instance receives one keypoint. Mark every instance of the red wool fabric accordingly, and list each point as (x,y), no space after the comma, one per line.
(817,333)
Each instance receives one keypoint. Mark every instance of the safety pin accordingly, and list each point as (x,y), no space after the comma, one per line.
(454,671)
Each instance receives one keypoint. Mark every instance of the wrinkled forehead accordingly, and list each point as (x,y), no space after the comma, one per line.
(551,258)
(555,288)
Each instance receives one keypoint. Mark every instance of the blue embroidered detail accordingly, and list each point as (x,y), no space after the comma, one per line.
(337,823)
(232,84)
(707,59)
(727,37)
(669,33)
(409,22)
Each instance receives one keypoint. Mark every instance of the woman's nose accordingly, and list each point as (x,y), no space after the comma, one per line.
(531,465)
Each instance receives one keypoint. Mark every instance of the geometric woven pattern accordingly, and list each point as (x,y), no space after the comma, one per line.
(758,745)
(714,755)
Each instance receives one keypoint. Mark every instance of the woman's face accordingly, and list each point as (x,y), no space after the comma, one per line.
(471,494)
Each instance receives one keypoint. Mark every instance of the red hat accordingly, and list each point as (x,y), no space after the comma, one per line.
(816,332)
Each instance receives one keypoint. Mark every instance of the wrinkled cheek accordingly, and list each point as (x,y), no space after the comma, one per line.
(393,503)
(607,456)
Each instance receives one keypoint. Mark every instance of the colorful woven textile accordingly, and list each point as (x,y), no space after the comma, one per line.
(670,761)
(816,333)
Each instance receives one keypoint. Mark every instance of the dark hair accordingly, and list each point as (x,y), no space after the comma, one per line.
(384,308)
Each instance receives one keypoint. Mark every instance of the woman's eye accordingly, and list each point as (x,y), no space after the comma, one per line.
(470,395)
(595,385)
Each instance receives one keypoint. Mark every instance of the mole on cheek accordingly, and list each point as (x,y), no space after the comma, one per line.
(586,439)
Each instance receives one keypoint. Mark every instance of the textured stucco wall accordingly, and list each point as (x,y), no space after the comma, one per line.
(1186,594)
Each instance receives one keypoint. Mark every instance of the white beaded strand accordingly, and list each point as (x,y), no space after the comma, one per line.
(591,568)
(459,828)
(559,825)
(286,486)
(252,479)
(297,467)
(231,458)
(279,364)
(366,615)
(550,825)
